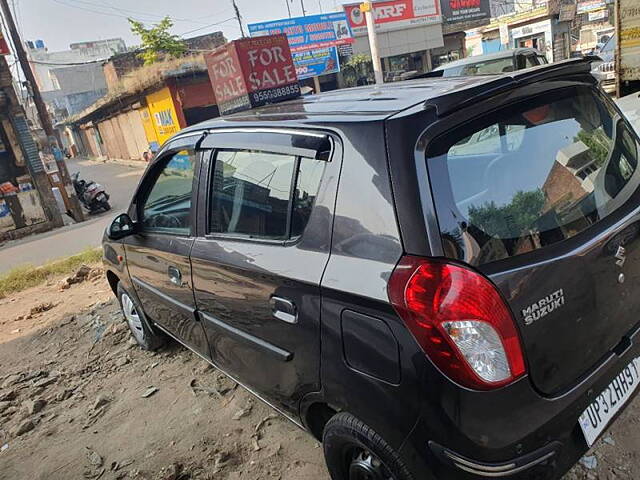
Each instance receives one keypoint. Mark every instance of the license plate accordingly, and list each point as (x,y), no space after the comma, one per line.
(598,415)
(611,75)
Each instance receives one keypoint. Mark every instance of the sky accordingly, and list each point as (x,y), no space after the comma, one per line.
(61,22)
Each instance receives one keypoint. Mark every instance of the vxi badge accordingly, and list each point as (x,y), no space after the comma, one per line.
(542,307)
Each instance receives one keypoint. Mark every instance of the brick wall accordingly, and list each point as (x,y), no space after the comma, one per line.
(121,64)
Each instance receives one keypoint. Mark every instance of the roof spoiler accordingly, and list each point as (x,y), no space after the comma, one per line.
(431,74)
(455,100)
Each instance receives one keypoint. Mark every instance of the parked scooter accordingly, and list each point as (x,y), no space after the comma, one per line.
(91,194)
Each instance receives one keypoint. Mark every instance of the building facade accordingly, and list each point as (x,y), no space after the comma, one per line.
(27,202)
(540,27)
(133,126)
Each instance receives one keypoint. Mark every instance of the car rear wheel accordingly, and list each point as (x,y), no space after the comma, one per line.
(141,331)
(353,451)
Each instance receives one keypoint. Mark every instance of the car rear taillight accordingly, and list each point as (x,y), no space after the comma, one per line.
(459,320)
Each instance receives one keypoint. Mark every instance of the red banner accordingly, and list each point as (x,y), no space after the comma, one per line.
(251,72)
(4,48)
(266,62)
(394,14)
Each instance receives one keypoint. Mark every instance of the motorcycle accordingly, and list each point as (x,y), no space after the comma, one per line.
(91,194)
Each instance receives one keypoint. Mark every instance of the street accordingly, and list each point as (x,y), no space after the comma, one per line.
(119,180)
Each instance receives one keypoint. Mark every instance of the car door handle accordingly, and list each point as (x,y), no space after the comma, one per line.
(175,276)
(284,310)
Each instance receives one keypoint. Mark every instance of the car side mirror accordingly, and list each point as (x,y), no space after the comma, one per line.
(122,226)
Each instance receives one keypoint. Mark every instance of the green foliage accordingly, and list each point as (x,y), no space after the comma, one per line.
(358,66)
(156,41)
(510,220)
(28,276)
(597,142)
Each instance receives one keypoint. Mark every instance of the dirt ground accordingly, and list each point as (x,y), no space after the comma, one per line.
(79,400)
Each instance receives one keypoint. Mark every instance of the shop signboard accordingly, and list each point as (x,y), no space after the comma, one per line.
(567,12)
(532,29)
(4,47)
(628,31)
(590,6)
(313,63)
(504,34)
(598,15)
(310,32)
(395,15)
(454,11)
(164,117)
(251,72)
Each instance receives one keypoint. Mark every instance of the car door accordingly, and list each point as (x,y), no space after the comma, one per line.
(158,256)
(264,229)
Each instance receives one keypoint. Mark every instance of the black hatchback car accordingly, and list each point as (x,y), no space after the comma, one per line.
(437,278)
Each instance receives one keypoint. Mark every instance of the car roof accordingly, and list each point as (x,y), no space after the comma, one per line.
(488,56)
(370,102)
(379,102)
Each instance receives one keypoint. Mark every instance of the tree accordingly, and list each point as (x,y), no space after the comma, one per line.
(358,67)
(511,220)
(156,41)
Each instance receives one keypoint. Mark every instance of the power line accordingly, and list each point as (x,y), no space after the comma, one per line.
(238,16)
(206,26)
(150,17)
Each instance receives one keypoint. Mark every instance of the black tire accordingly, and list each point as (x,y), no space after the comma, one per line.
(351,447)
(143,333)
(106,206)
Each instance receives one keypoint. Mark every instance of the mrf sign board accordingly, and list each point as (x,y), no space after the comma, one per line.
(251,72)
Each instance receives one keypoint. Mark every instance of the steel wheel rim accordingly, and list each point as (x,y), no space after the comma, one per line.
(133,317)
(363,465)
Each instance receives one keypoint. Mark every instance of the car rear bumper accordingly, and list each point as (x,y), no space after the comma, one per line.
(513,433)
(524,463)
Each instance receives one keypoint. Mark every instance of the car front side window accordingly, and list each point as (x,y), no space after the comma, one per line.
(167,206)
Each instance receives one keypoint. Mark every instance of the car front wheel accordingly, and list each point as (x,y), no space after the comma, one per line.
(353,451)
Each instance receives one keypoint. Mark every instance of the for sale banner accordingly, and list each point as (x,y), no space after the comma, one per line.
(227,80)
(314,63)
(394,15)
(251,72)
(268,69)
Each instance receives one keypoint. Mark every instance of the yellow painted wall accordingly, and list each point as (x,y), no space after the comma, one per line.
(163,114)
(149,130)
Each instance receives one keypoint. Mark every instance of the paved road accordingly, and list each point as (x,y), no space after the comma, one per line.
(630,106)
(119,181)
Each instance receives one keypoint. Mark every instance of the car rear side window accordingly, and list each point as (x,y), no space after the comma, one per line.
(262,195)
(531,175)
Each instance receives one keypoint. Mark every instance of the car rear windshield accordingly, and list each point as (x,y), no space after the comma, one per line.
(531,175)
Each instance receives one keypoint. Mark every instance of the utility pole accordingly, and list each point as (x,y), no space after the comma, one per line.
(304,12)
(45,121)
(367,8)
(237,10)
(288,7)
